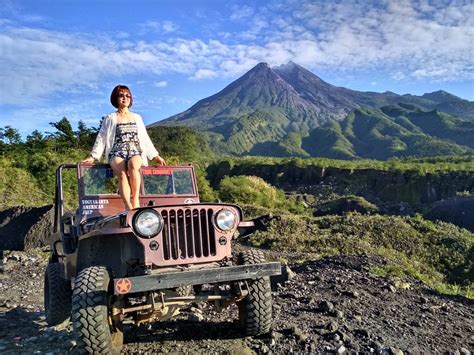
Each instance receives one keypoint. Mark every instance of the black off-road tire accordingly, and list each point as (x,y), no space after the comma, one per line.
(57,295)
(91,320)
(255,311)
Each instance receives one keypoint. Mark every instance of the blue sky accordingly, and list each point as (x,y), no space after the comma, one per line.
(62,57)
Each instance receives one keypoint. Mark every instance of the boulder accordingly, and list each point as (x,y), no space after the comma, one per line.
(345,204)
(26,227)
(458,210)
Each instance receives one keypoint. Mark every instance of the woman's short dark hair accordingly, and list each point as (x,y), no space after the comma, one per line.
(115,95)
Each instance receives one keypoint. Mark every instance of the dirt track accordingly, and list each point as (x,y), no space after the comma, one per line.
(332,305)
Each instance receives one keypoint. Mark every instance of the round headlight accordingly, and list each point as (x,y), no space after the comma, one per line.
(147,223)
(225,220)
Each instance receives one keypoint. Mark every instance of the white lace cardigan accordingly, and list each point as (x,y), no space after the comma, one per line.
(106,138)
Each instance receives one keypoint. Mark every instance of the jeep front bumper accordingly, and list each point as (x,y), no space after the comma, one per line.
(173,279)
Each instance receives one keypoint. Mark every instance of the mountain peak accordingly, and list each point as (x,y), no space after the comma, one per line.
(440,96)
(291,70)
(440,92)
(260,69)
(288,67)
(261,65)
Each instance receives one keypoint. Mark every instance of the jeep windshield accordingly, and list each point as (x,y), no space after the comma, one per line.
(100,180)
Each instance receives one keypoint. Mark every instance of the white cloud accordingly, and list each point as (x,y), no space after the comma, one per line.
(402,36)
(17,11)
(204,74)
(160,84)
(398,76)
(158,27)
(169,26)
(42,62)
(242,13)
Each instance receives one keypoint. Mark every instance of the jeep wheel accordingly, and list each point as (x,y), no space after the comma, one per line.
(255,311)
(57,295)
(92,324)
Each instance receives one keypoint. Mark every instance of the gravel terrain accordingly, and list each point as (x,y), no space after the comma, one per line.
(333,305)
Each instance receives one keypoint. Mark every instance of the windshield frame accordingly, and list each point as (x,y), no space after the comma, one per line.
(148,170)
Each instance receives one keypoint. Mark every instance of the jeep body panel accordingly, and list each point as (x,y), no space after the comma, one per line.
(189,236)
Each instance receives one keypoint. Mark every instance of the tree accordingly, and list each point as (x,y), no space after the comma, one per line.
(10,135)
(64,128)
(85,136)
(36,140)
(65,135)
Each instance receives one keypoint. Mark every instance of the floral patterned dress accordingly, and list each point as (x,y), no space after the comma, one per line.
(126,144)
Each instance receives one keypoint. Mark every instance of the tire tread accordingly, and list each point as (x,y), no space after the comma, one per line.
(57,295)
(255,311)
(90,312)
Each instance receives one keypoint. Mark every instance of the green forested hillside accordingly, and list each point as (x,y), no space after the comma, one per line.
(393,131)
(180,142)
(441,125)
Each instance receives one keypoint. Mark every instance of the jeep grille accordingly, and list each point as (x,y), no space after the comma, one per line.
(188,233)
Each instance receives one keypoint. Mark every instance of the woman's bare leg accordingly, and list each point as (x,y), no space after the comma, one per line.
(120,170)
(134,165)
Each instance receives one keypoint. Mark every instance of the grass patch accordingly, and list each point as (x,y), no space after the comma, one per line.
(438,254)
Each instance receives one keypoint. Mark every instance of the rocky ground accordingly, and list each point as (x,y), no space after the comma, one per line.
(333,305)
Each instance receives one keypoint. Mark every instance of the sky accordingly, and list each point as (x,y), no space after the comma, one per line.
(62,58)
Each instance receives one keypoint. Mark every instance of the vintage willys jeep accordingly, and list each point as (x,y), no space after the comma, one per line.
(108,265)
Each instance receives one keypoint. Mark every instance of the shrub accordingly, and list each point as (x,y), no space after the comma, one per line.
(252,190)
(18,187)
(206,192)
(248,190)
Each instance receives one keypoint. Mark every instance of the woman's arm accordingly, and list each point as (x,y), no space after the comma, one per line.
(99,144)
(150,150)
(89,160)
(159,160)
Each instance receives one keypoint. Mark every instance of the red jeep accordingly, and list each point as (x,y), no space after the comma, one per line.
(108,265)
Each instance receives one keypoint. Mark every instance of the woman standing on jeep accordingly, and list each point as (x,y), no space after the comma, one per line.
(127,146)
